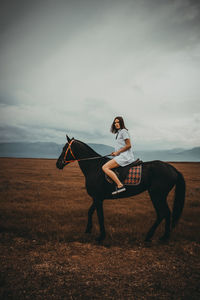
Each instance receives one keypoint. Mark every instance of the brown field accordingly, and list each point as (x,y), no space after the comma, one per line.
(45,253)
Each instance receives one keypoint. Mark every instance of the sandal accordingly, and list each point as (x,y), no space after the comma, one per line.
(119,190)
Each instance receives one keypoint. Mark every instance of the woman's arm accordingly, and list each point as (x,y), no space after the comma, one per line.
(125,148)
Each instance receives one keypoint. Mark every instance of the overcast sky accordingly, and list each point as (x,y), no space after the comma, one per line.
(72,66)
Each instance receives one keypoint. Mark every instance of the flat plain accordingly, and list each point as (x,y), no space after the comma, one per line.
(45,254)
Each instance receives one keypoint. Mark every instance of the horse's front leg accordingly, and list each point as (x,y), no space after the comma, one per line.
(90,214)
(100,214)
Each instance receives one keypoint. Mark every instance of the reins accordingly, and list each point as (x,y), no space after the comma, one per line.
(78,159)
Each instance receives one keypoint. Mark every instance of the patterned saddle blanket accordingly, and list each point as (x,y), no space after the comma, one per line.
(133,177)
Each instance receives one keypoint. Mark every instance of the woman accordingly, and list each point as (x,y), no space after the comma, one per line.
(123,154)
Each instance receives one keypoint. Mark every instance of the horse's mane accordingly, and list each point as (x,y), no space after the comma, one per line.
(89,148)
(92,153)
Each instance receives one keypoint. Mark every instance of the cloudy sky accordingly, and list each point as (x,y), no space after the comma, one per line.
(71,66)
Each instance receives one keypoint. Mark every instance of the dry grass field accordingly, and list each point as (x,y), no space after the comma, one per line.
(45,254)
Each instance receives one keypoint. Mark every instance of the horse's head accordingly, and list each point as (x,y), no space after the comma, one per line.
(67,155)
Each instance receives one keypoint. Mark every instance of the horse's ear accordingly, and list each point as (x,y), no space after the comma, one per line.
(68,139)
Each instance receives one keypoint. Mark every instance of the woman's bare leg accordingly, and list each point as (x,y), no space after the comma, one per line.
(107,169)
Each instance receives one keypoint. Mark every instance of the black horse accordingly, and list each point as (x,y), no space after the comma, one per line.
(157,177)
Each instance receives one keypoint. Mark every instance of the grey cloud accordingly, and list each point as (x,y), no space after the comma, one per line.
(13,134)
(44,27)
(8,99)
(48,134)
(192,106)
(18,98)
(72,66)
(32,30)
(26,134)
(12,11)
(173,25)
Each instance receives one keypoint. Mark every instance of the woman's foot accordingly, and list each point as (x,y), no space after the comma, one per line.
(119,190)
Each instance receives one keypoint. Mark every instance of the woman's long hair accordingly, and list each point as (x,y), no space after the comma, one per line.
(121,122)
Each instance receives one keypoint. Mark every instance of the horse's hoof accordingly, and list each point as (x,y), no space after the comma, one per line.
(100,239)
(164,238)
(147,243)
(147,240)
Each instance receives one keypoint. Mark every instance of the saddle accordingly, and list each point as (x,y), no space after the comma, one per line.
(125,173)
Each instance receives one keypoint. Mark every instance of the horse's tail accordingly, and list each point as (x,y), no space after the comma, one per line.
(179,199)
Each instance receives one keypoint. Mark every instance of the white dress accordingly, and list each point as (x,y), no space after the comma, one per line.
(124,158)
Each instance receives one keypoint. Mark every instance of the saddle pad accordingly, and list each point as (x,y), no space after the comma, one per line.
(134,176)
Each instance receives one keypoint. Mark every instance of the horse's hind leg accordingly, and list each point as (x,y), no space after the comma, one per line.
(167,224)
(162,211)
(150,233)
(90,214)
(100,214)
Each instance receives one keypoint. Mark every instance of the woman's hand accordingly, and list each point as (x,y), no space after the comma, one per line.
(125,148)
(116,153)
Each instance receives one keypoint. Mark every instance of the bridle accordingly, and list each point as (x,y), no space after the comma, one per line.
(69,149)
(78,159)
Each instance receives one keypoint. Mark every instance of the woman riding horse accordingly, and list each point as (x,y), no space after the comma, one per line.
(158,178)
(123,153)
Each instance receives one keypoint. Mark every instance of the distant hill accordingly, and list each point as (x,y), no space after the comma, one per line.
(53,150)
(170,155)
(42,149)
